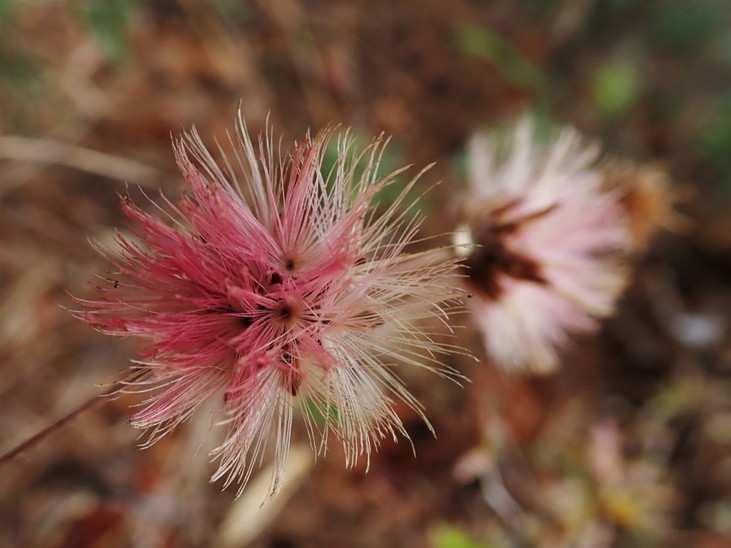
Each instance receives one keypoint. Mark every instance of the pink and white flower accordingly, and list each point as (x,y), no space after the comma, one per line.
(549,238)
(281,292)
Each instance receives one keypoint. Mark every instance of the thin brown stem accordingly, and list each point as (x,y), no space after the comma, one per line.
(87,405)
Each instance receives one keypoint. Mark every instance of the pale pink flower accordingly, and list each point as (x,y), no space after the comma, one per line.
(281,292)
(550,240)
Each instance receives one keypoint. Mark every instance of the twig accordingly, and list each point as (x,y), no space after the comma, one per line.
(53,152)
(87,405)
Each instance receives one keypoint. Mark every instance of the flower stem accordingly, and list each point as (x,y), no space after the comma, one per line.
(50,429)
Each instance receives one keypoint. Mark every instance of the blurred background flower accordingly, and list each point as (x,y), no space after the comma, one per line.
(547,244)
(90,93)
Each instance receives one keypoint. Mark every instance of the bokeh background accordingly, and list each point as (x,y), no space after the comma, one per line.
(629,444)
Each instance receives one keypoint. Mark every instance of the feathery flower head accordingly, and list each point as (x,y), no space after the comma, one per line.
(275,288)
(547,259)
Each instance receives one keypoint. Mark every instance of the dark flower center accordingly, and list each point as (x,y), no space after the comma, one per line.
(288,311)
(486,263)
(493,258)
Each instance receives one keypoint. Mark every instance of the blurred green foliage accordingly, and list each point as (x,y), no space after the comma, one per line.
(502,54)
(357,141)
(17,70)
(108,21)
(716,140)
(615,88)
(391,159)
(6,9)
(319,412)
(449,536)
(685,27)
(21,75)
(231,10)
